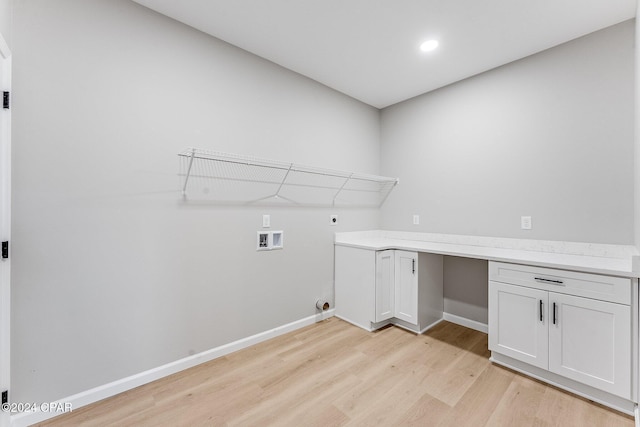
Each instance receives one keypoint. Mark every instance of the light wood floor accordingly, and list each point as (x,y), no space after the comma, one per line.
(334,374)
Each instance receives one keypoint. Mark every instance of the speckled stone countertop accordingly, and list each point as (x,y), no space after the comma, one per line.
(613,260)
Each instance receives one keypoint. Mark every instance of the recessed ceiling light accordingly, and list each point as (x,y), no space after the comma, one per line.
(429,45)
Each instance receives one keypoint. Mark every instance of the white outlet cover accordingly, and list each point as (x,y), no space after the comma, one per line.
(525,222)
(333,220)
(416,220)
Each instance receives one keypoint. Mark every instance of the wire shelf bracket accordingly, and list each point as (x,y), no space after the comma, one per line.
(237,179)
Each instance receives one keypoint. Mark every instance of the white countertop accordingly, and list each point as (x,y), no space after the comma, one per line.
(614,260)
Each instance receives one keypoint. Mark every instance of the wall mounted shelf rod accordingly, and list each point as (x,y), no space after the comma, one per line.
(186,179)
(237,178)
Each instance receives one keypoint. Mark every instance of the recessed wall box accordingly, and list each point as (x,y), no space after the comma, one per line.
(277,241)
(269,240)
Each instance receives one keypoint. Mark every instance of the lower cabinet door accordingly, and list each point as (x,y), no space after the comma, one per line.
(518,319)
(385,288)
(406,286)
(590,342)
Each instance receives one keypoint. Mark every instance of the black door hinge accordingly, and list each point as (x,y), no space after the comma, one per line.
(5,100)
(5,250)
(5,397)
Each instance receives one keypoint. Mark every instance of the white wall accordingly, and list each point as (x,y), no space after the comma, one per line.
(636,156)
(112,275)
(465,288)
(6,20)
(550,136)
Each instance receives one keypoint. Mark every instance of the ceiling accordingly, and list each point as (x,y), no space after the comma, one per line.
(369,49)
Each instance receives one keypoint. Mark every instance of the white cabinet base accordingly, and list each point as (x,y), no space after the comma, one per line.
(548,321)
(413,328)
(591,343)
(355,276)
(374,289)
(591,393)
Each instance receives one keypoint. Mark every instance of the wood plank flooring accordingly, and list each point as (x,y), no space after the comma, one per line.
(335,374)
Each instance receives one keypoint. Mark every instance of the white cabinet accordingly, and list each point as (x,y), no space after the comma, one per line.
(415,290)
(518,323)
(406,286)
(590,342)
(537,318)
(355,277)
(373,289)
(385,289)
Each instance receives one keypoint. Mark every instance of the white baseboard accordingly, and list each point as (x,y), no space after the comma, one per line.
(471,324)
(425,329)
(111,389)
(366,328)
(636,416)
(463,321)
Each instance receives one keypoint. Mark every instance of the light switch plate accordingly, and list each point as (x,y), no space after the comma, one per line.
(266,221)
(416,220)
(525,222)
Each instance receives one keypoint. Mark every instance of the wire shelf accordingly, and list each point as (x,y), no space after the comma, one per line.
(237,179)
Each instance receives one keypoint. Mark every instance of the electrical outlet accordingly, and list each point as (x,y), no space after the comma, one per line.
(525,222)
(333,220)
(416,220)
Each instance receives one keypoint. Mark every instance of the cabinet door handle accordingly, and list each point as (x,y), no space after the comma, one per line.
(413,266)
(554,313)
(542,279)
(541,310)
